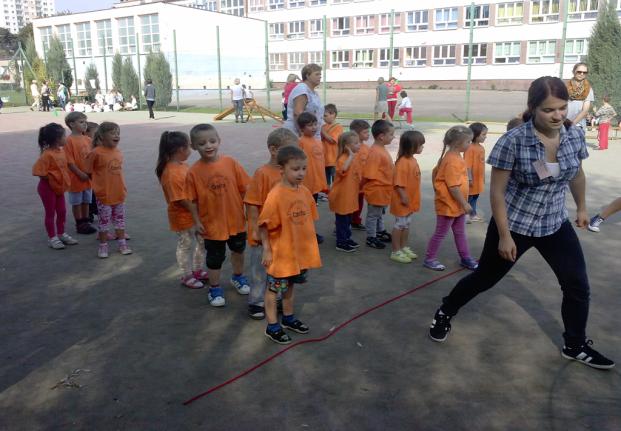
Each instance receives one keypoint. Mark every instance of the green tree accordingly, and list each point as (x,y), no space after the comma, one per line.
(38,66)
(25,34)
(91,74)
(57,63)
(129,80)
(117,66)
(157,69)
(8,43)
(603,57)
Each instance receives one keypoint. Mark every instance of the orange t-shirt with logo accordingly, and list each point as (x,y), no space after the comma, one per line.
(218,189)
(264,178)
(407,175)
(343,197)
(289,214)
(53,164)
(106,168)
(378,172)
(76,149)
(329,150)
(315,179)
(474,157)
(451,172)
(173,184)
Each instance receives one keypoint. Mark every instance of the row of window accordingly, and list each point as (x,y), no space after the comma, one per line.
(537,52)
(126,31)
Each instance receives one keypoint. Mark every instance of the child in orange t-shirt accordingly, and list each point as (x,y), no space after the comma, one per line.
(330,132)
(450,183)
(172,171)
(344,194)
(261,183)
(362,129)
(377,183)
(475,163)
(91,128)
(406,194)
(80,193)
(216,185)
(51,168)
(286,224)
(105,164)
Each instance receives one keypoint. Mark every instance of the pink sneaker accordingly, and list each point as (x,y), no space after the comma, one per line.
(201,275)
(124,249)
(191,282)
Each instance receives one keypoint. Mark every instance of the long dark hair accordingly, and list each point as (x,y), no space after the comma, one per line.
(540,89)
(49,135)
(170,143)
(409,143)
(477,129)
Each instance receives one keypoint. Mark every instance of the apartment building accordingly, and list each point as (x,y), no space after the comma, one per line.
(15,14)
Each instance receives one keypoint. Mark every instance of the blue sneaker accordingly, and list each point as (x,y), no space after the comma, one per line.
(469,263)
(216,297)
(240,283)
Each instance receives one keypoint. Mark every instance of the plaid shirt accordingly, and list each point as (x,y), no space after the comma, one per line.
(536,207)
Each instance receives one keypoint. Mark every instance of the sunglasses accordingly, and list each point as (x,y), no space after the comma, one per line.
(581,72)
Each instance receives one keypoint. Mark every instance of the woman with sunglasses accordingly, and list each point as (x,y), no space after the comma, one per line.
(580,96)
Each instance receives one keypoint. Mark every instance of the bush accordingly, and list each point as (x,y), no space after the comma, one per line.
(157,69)
(117,67)
(91,74)
(129,80)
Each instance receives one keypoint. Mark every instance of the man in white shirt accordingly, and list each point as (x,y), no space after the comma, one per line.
(237,99)
(36,96)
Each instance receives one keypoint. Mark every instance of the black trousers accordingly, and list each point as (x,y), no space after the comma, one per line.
(150,106)
(561,250)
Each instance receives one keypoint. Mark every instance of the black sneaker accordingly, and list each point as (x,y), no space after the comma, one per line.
(319,238)
(587,356)
(296,326)
(256,312)
(375,243)
(353,243)
(440,327)
(346,248)
(384,236)
(358,226)
(279,336)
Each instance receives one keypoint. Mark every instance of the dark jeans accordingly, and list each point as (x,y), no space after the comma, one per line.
(472,200)
(330,173)
(45,102)
(284,112)
(150,104)
(343,228)
(561,250)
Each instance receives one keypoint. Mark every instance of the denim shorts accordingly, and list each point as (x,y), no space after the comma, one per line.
(402,223)
(281,285)
(83,197)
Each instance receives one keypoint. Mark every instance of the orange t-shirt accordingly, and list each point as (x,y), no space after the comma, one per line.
(173,184)
(451,173)
(475,161)
(315,179)
(378,172)
(329,150)
(407,175)
(363,155)
(289,214)
(106,168)
(218,189)
(260,185)
(53,164)
(344,194)
(76,149)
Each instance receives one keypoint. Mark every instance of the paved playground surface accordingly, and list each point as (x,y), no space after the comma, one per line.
(118,344)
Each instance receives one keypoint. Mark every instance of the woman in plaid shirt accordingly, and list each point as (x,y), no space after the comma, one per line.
(533,165)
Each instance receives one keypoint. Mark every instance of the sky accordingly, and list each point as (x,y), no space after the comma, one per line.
(83,5)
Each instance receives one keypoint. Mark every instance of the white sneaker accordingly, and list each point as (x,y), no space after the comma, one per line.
(67,240)
(55,243)
(102,252)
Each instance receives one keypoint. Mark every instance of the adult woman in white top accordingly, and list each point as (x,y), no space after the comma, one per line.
(304,98)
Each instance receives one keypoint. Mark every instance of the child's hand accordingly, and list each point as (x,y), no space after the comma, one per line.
(468,208)
(255,234)
(200,228)
(83,176)
(267,257)
(405,201)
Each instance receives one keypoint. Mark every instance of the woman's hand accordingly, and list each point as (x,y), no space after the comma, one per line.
(199,228)
(582,219)
(507,249)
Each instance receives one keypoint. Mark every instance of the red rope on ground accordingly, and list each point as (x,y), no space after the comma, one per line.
(319,339)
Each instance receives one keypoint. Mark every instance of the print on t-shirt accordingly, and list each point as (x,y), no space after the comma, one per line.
(298,212)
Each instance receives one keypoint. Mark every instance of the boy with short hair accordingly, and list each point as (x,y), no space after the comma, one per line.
(377,175)
(286,224)
(216,185)
(361,127)
(261,183)
(80,192)
(330,132)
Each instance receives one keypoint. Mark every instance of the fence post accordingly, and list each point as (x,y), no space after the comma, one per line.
(324,57)
(391,53)
(268,86)
(139,72)
(75,68)
(219,67)
(468,79)
(565,5)
(105,59)
(176,67)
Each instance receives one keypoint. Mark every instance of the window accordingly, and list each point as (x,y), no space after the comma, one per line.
(576,50)
(340,60)
(277,61)
(232,7)
(211,5)
(84,38)
(297,60)
(544,11)
(104,36)
(507,53)
(296,30)
(415,56)
(340,26)
(446,19)
(384,23)
(315,57)
(363,58)
(479,53)
(384,57)
(417,20)
(256,5)
(315,28)
(582,9)
(510,13)
(443,55)
(277,31)
(541,51)
(150,33)
(64,34)
(365,24)
(46,35)
(317,2)
(127,35)
(296,3)
(341,1)
(481,16)
(276,4)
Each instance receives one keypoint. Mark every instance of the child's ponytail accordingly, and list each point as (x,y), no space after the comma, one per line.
(409,143)
(49,135)
(453,136)
(170,143)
